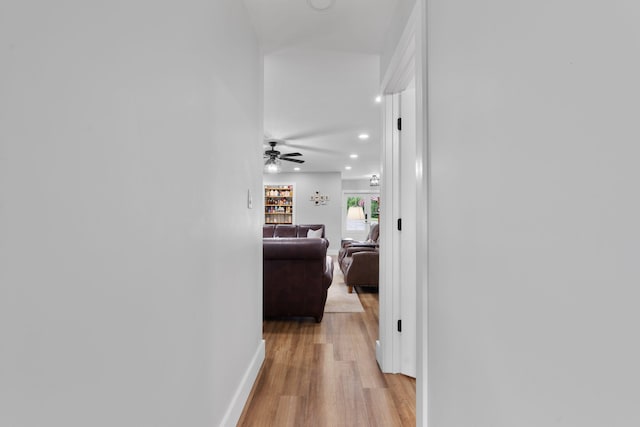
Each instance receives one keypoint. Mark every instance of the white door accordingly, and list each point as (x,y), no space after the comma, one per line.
(359,211)
(396,349)
(407,235)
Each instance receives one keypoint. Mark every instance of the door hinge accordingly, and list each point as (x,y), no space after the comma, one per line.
(399,123)
(399,224)
(399,325)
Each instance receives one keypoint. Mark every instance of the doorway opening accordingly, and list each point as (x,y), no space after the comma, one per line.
(360,210)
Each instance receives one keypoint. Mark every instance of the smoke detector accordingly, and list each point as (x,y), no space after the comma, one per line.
(321,5)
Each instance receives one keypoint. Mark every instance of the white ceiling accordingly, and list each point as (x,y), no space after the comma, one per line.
(321,78)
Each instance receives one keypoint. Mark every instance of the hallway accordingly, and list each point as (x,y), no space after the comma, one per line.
(326,375)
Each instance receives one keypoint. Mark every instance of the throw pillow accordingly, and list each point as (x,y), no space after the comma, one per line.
(314,233)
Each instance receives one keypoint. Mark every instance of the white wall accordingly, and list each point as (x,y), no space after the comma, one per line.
(534,208)
(129,135)
(358,185)
(394,33)
(306,212)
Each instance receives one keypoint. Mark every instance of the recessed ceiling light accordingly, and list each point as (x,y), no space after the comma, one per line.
(378,99)
(363,136)
(353,156)
(348,168)
(296,168)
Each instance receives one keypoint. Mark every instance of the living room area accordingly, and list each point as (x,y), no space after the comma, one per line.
(320,364)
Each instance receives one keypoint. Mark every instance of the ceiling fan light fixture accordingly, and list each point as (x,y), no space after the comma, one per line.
(275,157)
(272,166)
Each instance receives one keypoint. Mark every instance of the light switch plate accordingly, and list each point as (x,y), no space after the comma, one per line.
(249,199)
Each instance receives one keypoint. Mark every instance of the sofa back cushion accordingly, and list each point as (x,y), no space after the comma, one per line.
(286,230)
(268,230)
(290,230)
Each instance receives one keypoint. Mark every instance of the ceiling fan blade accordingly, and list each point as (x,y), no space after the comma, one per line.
(287,144)
(292,160)
(291,155)
(312,148)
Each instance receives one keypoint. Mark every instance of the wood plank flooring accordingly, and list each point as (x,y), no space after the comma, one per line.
(326,375)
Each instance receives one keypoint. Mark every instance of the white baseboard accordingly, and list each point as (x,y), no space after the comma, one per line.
(241,395)
(379,354)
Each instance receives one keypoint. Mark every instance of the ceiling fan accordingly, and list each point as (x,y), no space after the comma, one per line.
(273,156)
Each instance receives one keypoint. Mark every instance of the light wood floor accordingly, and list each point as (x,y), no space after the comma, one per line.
(326,375)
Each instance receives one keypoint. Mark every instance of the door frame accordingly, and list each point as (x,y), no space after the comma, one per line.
(408,60)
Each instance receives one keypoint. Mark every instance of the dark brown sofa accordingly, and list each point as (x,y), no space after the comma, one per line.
(296,275)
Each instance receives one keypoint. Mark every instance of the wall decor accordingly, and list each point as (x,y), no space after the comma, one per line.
(319,199)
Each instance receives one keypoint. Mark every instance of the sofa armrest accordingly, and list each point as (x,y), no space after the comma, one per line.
(347,241)
(328,271)
(363,245)
(349,251)
(362,269)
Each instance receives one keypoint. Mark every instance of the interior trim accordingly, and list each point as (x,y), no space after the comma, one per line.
(240,397)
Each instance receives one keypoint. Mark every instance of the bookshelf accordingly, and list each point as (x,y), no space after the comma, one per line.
(278,204)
